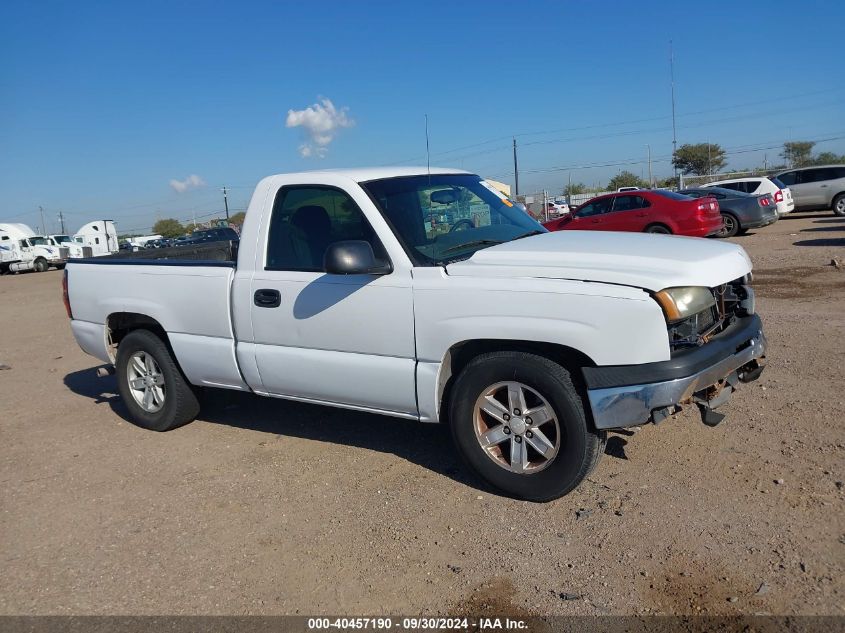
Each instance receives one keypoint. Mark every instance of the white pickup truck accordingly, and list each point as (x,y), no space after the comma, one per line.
(430,296)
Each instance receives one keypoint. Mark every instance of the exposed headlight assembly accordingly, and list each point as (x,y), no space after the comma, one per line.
(681,303)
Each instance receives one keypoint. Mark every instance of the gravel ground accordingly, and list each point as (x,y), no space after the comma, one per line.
(269,507)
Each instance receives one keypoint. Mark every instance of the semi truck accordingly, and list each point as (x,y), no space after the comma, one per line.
(22,250)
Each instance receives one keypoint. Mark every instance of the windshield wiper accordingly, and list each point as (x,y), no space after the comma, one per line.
(458,247)
(529,234)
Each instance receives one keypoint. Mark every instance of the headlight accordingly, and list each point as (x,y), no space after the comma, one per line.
(681,303)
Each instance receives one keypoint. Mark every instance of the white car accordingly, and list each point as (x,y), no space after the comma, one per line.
(528,344)
(759,185)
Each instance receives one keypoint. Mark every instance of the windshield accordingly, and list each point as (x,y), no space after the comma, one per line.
(39,241)
(60,239)
(444,218)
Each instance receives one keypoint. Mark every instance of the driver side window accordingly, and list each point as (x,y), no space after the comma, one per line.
(306,220)
(596,207)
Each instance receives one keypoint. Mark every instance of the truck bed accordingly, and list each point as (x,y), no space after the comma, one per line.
(185,290)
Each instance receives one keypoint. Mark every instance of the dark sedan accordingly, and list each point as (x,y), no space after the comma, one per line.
(220,234)
(740,211)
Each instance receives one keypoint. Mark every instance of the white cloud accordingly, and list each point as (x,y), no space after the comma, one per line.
(320,122)
(191,182)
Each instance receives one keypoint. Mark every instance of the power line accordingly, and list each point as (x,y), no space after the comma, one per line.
(618,123)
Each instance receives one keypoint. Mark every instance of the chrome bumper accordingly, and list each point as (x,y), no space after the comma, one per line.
(632,405)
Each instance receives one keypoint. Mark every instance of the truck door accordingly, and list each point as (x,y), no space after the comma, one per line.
(346,339)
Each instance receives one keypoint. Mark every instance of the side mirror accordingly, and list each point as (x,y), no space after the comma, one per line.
(353,257)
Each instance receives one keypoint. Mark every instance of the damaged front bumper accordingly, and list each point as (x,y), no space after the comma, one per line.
(623,396)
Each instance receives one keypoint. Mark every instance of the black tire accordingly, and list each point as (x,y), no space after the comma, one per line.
(60,266)
(838,205)
(730,225)
(581,446)
(659,229)
(180,402)
(40,265)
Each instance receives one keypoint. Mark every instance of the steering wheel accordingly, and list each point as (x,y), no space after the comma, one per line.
(466,223)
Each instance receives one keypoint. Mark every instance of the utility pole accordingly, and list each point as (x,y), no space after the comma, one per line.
(62,221)
(545,205)
(226,204)
(650,179)
(43,226)
(672,85)
(569,191)
(515,169)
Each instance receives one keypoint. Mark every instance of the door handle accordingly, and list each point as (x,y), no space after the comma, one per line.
(823,186)
(642,214)
(267,298)
(596,221)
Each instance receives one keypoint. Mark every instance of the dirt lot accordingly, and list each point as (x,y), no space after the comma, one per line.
(265,506)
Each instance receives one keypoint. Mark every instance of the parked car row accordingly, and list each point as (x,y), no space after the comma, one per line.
(721,208)
(218,234)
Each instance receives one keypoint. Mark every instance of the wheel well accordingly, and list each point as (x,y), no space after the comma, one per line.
(459,356)
(653,224)
(119,324)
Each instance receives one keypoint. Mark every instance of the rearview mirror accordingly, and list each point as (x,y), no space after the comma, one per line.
(353,257)
(444,196)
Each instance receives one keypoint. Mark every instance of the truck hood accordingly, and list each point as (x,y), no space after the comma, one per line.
(653,262)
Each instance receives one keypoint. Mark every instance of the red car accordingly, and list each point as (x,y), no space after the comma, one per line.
(646,210)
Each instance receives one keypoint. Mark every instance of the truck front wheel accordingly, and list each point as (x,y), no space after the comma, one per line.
(40,265)
(151,384)
(519,422)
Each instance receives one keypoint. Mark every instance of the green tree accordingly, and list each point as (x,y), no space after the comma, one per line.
(699,158)
(827,158)
(573,189)
(168,228)
(666,183)
(798,153)
(237,219)
(625,179)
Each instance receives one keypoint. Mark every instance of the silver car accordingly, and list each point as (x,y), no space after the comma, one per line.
(821,187)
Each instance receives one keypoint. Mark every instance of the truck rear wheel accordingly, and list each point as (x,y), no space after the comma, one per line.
(519,422)
(151,384)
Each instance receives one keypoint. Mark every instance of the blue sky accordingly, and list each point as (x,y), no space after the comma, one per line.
(105,103)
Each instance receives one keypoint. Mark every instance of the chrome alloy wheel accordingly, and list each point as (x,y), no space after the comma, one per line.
(729,226)
(146,382)
(516,427)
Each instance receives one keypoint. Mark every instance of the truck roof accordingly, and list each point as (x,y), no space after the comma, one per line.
(364,174)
